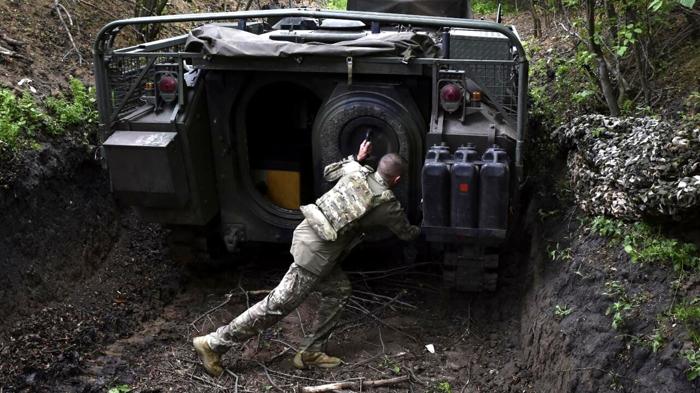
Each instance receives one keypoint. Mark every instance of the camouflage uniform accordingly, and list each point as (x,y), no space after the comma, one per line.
(315,265)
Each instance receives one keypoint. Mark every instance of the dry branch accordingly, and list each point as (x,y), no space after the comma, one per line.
(10,53)
(229,296)
(211,310)
(13,42)
(60,9)
(358,307)
(360,385)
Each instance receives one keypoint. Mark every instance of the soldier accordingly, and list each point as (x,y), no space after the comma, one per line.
(361,200)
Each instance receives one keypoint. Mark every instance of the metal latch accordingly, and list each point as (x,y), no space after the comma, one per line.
(348,61)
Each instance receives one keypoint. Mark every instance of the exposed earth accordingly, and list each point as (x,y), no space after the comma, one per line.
(92,301)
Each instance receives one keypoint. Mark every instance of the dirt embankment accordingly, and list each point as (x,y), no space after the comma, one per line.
(77,271)
(567,333)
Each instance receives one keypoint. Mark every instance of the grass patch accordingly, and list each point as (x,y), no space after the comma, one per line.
(25,118)
(645,244)
(689,314)
(693,358)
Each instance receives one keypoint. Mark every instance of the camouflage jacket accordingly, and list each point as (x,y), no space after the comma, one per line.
(361,198)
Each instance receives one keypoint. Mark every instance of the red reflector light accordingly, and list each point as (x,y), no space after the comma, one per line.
(451,93)
(463,187)
(167,84)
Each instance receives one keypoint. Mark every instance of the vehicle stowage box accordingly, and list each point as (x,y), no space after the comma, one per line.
(151,168)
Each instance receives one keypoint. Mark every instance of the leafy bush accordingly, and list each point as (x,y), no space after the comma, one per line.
(22,118)
(560,85)
(607,227)
(693,358)
(645,244)
(80,110)
(689,314)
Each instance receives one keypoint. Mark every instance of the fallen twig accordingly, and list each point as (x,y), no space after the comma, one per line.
(363,310)
(385,297)
(113,16)
(228,299)
(381,340)
(286,344)
(235,386)
(58,7)
(11,53)
(360,385)
(284,351)
(269,378)
(11,41)
(301,324)
(396,269)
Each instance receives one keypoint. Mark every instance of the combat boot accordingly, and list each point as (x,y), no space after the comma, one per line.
(210,360)
(315,359)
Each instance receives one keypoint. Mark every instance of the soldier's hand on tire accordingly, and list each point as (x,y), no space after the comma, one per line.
(365,150)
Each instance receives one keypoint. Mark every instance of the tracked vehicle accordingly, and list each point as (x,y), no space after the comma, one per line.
(226,129)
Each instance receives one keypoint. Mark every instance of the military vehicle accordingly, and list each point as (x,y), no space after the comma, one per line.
(225,129)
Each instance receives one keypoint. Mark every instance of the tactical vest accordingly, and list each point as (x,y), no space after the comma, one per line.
(350,199)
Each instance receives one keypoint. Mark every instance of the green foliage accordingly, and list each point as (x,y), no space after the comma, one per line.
(391,364)
(489,7)
(656,341)
(693,358)
(645,244)
(657,5)
(22,119)
(562,311)
(618,310)
(607,227)
(557,254)
(561,86)
(623,306)
(337,4)
(444,387)
(78,111)
(689,314)
(120,389)
(628,38)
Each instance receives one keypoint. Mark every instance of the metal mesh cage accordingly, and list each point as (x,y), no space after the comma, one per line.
(498,80)
(127,75)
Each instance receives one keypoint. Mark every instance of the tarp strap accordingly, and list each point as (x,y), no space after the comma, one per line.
(348,61)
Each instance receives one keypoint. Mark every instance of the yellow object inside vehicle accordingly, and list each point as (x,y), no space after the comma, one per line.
(283,188)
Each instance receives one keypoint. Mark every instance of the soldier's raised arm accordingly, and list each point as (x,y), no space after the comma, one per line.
(336,170)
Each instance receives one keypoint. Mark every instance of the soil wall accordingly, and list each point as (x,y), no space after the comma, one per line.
(581,351)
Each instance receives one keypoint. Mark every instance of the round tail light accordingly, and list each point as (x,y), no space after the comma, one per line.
(451,97)
(167,84)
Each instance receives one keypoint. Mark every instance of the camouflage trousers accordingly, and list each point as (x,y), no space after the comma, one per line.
(292,290)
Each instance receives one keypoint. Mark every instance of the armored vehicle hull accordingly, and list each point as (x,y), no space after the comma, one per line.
(227,129)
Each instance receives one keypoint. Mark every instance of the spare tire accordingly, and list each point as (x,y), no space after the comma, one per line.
(396,124)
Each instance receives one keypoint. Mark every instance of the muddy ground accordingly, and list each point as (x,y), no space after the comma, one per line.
(91,301)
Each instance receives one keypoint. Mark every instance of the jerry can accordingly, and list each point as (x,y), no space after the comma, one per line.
(464,188)
(494,180)
(435,183)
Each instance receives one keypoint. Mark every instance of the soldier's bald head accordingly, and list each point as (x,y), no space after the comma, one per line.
(391,166)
